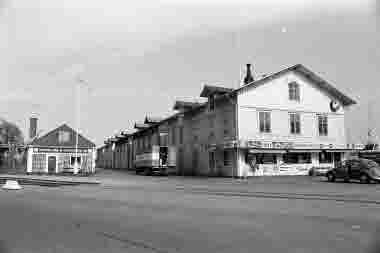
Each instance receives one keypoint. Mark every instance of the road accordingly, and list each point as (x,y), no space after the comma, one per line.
(129,213)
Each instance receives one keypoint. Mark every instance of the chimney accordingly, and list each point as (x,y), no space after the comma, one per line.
(32,127)
(248,76)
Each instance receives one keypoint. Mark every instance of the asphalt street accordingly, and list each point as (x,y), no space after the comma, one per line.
(129,213)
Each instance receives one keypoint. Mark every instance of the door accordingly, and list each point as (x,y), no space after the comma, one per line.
(52,163)
(337,158)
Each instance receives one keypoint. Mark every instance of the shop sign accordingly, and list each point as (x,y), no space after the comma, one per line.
(59,150)
(269,145)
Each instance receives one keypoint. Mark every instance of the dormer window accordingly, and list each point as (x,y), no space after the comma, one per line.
(211,103)
(294,91)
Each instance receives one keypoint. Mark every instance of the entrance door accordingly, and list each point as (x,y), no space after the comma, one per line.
(52,162)
(337,158)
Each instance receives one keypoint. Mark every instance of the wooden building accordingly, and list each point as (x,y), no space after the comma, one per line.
(57,152)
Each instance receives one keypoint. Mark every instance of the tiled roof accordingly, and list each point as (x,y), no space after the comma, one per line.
(186,104)
(321,83)
(152,120)
(141,126)
(52,139)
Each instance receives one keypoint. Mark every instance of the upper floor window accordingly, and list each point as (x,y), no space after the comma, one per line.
(294,91)
(173,136)
(211,102)
(63,136)
(295,123)
(264,122)
(322,125)
(181,135)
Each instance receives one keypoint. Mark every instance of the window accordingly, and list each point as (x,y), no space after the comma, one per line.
(227,159)
(163,139)
(266,159)
(78,160)
(211,156)
(211,102)
(173,136)
(322,125)
(226,133)
(63,136)
(325,157)
(294,91)
(38,162)
(264,121)
(181,135)
(297,158)
(295,123)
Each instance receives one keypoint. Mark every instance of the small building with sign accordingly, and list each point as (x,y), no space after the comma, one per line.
(61,150)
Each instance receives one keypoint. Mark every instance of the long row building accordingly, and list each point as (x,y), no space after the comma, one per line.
(280,124)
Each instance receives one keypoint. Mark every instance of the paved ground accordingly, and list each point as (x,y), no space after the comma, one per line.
(129,213)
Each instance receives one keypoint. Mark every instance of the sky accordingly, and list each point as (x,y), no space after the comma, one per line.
(137,57)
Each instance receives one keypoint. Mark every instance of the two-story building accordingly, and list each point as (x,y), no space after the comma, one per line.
(281,124)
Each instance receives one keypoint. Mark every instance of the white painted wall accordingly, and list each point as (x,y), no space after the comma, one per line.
(274,97)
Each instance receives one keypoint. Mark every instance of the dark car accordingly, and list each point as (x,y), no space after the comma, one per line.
(360,169)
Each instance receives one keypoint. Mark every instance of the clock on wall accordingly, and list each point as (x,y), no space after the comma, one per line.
(334,106)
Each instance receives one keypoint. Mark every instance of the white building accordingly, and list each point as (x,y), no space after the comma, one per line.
(290,121)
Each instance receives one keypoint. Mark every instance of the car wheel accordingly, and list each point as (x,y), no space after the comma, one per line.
(330,177)
(364,179)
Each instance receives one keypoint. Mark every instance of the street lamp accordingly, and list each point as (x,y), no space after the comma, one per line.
(80,82)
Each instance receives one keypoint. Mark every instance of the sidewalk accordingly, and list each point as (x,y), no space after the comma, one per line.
(50,179)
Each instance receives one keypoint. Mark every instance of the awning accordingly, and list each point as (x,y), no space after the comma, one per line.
(304,150)
(340,150)
(266,151)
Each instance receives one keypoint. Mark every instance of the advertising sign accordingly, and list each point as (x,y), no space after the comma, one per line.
(59,150)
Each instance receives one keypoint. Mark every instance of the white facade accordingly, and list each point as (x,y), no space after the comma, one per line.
(273,96)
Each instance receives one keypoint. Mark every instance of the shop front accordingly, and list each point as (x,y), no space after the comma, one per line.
(61,150)
(272,159)
(59,160)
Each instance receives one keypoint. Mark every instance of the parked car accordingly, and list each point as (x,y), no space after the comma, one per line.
(360,169)
(318,171)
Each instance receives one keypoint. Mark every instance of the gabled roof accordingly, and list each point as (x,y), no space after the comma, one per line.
(321,83)
(209,90)
(152,120)
(186,105)
(52,139)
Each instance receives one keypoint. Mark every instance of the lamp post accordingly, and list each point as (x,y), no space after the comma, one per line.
(80,82)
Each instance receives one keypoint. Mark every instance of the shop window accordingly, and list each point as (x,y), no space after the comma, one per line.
(38,162)
(325,157)
(295,123)
(304,158)
(264,122)
(227,158)
(266,158)
(294,91)
(290,158)
(78,160)
(322,125)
